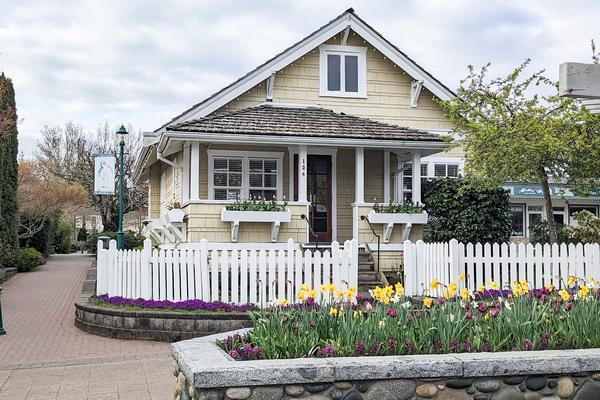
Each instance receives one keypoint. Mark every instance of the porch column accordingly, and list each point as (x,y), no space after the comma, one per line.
(359,175)
(195,171)
(416,176)
(386,176)
(359,188)
(302,174)
(399,182)
(185,174)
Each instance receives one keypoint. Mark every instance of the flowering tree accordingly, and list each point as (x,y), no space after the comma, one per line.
(511,133)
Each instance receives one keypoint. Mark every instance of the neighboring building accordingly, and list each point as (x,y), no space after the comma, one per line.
(336,122)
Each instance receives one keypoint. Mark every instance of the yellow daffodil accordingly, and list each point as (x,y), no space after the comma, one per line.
(492,285)
(583,291)
(427,301)
(564,295)
(301,295)
(464,294)
(399,289)
(322,288)
(356,314)
(312,293)
(481,288)
(452,287)
(283,301)
(434,284)
(570,280)
(549,287)
(461,277)
(350,293)
(333,311)
(340,294)
(389,290)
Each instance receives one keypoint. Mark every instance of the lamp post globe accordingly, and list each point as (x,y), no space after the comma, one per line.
(121,139)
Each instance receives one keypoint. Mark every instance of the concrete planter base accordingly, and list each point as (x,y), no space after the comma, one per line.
(154,325)
(204,371)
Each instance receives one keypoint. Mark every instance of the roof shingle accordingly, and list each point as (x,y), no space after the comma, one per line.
(280,120)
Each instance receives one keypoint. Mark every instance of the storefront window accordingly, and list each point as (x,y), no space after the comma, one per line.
(534,215)
(559,215)
(518,219)
(578,208)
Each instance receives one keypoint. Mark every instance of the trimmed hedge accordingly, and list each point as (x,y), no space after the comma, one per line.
(23,259)
(466,210)
(132,241)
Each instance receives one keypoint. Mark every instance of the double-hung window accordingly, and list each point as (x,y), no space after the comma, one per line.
(245,175)
(518,219)
(343,71)
(445,170)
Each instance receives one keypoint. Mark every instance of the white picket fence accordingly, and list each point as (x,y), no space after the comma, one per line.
(502,264)
(232,276)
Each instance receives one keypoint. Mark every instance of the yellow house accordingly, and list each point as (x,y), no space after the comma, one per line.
(337,122)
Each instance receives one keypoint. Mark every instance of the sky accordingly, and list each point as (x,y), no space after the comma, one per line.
(143,62)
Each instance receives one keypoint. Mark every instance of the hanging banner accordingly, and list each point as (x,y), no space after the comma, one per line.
(104,174)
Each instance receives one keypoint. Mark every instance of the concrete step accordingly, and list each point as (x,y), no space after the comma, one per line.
(368,276)
(366,266)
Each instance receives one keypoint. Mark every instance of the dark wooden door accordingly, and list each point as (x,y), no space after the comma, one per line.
(319,195)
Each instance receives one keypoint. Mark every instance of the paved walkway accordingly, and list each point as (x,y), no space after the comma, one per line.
(44,356)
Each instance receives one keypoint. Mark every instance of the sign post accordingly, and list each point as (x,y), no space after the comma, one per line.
(2,331)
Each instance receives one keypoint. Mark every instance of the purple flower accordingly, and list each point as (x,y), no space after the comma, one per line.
(569,306)
(494,312)
(482,307)
(469,315)
(527,345)
(373,349)
(359,348)
(234,354)
(486,348)
(409,348)
(545,341)
(392,344)
(453,346)
(324,352)
(466,346)
(391,312)
(190,305)
(312,325)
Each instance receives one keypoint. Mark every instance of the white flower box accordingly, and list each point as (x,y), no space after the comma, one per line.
(391,219)
(275,218)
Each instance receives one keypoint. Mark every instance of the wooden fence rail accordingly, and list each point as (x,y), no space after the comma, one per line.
(234,276)
(503,264)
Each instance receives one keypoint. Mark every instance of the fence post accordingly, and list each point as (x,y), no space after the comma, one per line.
(454,257)
(113,268)
(290,270)
(146,271)
(101,272)
(408,268)
(353,278)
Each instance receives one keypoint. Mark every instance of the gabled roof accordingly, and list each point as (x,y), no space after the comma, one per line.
(291,54)
(308,121)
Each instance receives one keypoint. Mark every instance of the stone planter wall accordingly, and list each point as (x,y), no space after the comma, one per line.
(154,325)
(203,371)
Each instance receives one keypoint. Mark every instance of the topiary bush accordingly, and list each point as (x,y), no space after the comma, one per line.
(132,241)
(23,259)
(466,210)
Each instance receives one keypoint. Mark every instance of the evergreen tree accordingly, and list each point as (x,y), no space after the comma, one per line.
(8,165)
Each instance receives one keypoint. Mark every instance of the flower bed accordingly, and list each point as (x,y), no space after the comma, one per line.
(166,305)
(457,321)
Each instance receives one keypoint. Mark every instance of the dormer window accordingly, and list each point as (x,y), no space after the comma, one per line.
(343,71)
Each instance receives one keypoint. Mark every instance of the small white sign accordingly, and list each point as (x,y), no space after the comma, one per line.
(104,174)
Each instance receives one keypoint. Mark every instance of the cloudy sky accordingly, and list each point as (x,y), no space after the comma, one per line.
(142,62)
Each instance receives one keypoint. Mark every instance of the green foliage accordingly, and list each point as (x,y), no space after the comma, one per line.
(466,210)
(132,241)
(43,240)
(397,208)
(510,133)
(587,229)
(62,242)
(8,165)
(540,233)
(82,235)
(23,259)
(539,321)
(257,205)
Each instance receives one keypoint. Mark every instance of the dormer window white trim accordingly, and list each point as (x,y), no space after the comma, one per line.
(343,71)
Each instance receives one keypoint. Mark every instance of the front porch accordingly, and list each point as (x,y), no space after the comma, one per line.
(328,183)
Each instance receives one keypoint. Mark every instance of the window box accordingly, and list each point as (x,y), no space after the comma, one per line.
(275,218)
(391,219)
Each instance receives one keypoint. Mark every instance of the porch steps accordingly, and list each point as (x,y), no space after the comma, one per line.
(368,277)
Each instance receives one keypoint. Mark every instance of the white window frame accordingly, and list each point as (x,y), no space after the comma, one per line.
(360,52)
(524,219)
(245,156)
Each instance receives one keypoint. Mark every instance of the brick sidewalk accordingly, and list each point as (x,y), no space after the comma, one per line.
(43,355)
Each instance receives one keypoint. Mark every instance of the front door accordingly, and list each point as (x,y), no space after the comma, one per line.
(319,196)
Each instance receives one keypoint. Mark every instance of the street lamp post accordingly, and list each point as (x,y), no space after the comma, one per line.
(121,137)
(2,331)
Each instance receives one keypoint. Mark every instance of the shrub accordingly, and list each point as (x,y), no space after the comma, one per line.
(62,242)
(587,229)
(23,259)
(43,240)
(540,233)
(132,241)
(466,210)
